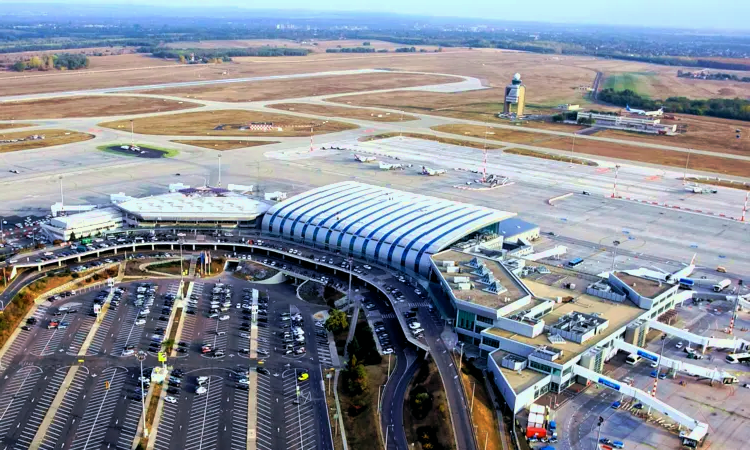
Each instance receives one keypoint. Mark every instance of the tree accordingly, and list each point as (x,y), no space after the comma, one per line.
(182,59)
(366,43)
(73,236)
(19,66)
(336,321)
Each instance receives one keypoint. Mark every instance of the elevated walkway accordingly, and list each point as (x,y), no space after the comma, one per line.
(704,342)
(698,429)
(678,366)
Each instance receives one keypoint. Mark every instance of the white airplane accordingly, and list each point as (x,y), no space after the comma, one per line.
(364,159)
(431,172)
(700,189)
(386,166)
(643,112)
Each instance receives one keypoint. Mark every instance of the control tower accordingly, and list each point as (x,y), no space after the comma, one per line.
(515,97)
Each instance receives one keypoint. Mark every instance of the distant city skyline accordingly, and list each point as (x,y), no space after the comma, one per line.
(695,14)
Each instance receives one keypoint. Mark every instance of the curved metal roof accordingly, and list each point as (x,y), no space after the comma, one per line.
(388,225)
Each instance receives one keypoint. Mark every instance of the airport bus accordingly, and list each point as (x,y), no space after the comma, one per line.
(737,358)
(575,261)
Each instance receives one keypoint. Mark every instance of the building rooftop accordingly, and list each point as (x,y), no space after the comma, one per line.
(477,295)
(643,286)
(618,315)
(92,217)
(518,381)
(193,203)
(514,226)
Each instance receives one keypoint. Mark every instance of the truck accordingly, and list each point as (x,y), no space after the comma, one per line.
(553,431)
(723,284)
(686,283)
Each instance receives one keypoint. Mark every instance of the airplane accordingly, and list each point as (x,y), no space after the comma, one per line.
(643,112)
(700,190)
(386,166)
(431,172)
(364,159)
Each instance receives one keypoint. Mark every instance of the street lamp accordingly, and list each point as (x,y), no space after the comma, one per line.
(614,253)
(141,355)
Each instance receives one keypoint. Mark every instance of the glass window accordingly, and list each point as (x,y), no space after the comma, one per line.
(485,319)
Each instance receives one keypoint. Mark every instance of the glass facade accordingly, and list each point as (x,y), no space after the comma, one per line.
(465,320)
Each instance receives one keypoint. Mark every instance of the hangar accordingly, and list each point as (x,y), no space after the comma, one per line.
(395,228)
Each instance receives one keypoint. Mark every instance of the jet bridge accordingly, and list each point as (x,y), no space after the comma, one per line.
(698,429)
(703,341)
(678,366)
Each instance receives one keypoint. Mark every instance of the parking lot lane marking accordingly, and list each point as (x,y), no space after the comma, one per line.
(56,403)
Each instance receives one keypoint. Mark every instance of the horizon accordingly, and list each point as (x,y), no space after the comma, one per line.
(686,15)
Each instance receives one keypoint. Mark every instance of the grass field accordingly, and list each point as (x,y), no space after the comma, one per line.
(554,157)
(628,80)
(8,126)
(51,137)
(168,152)
(499,134)
(427,137)
(304,87)
(362,429)
(89,106)
(723,183)
(704,133)
(222,145)
(204,123)
(342,111)
(715,164)
(437,421)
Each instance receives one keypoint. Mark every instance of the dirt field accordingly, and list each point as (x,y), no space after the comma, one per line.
(305,87)
(316,46)
(342,111)
(500,134)
(535,154)
(222,145)
(205,123)
(428,137)
(653,156)
(93,106)
(51,137)
(704,133)
(7,126)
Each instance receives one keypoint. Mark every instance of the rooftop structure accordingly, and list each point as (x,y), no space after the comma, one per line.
(477,293)
(89,223)
(644,286)
(518,380)
(617,315)
(395,228)
(204,204)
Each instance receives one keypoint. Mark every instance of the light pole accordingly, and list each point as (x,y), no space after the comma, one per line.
(461,358)
(132,136)
(473,389)
(684,174)
(614,254)
(379,405)
(572,148)
(141,356)
(62,198)
(386,436)
(599,433)
(219,170)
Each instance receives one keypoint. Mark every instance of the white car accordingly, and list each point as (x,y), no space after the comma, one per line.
(170,399)
(145,311)
(367,267)
(225,317)
(244,335)
(415,325)
(128,352)
(679,345)
(238,306)
(201,390)
(140,322)
(388,351)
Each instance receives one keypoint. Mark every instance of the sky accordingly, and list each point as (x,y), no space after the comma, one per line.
(698,14)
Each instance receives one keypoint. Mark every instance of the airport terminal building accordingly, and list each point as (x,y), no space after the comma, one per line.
(390,227)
